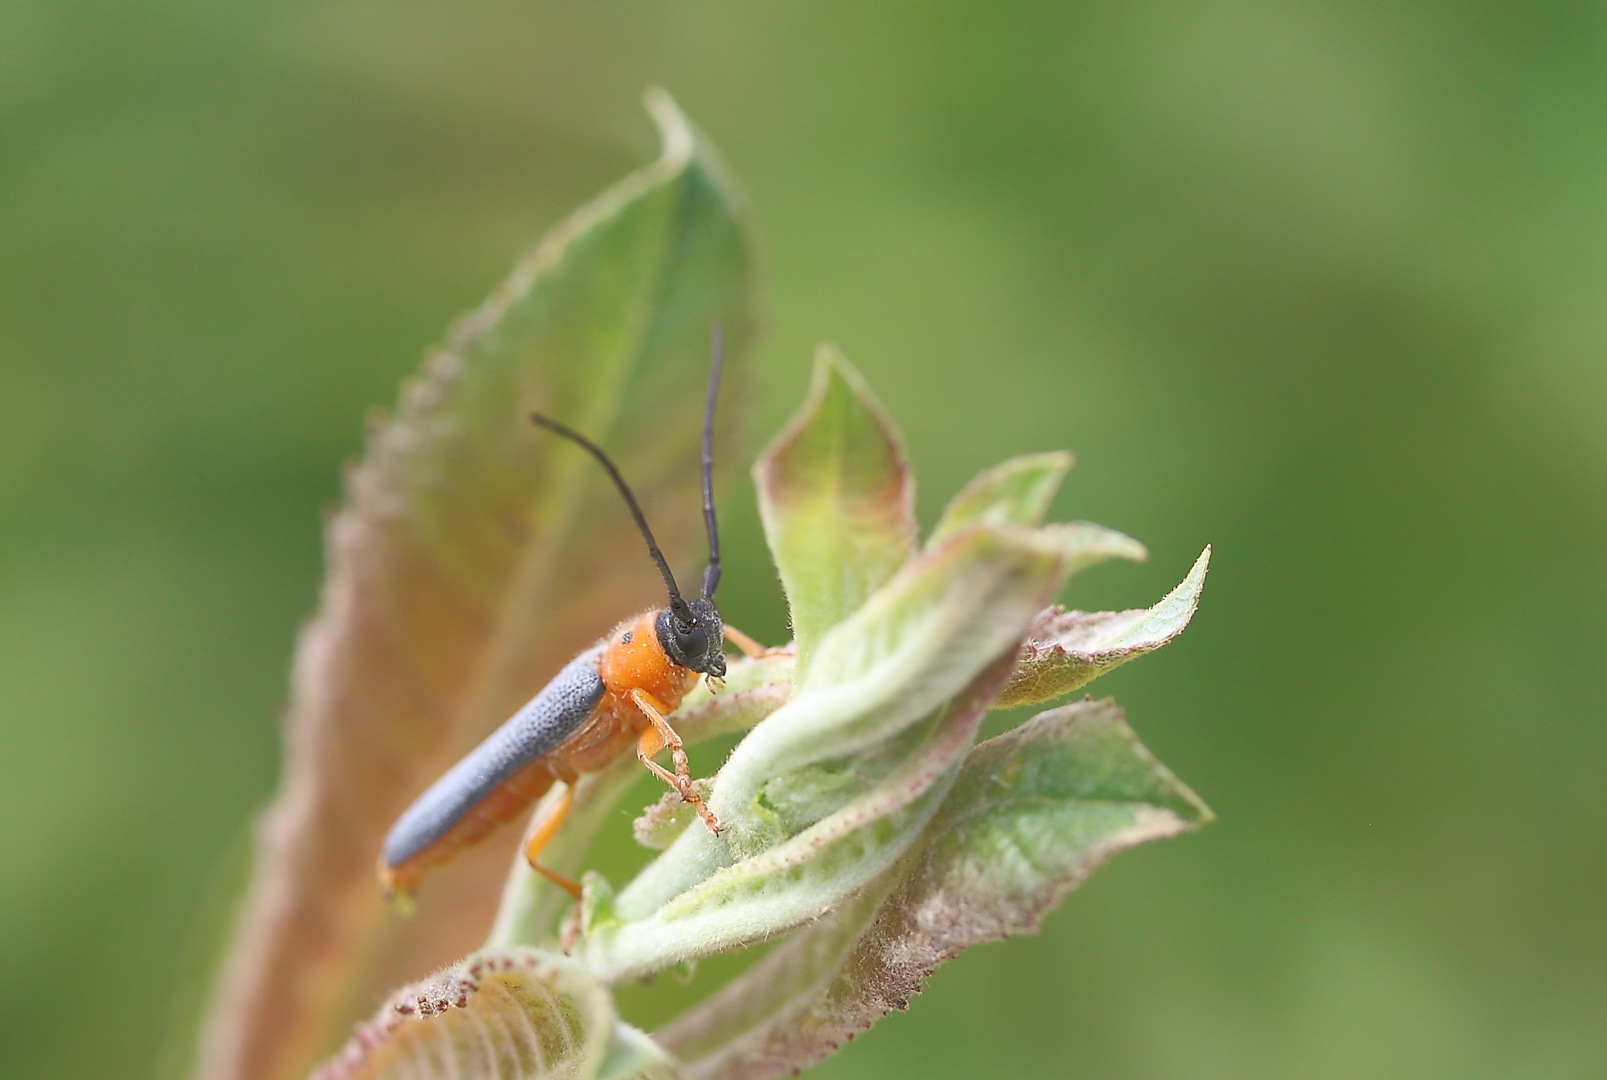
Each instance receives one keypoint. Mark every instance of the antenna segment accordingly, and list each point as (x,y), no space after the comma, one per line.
(711,573)
(677,605)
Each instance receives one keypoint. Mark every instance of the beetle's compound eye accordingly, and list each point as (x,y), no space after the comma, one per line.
(697,643)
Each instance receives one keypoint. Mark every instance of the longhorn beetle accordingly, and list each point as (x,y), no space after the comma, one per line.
(616,693)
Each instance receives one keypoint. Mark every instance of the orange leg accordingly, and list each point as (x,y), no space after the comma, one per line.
(546,825)
(658,735)
(750,648)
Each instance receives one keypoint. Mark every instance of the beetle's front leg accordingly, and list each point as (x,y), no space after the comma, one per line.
(655,737)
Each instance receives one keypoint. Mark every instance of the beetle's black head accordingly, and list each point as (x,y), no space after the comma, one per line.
(693,637)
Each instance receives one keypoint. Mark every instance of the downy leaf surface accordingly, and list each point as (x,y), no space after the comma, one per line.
(1032,814)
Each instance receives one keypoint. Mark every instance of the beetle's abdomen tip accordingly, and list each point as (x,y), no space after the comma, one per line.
(397,892)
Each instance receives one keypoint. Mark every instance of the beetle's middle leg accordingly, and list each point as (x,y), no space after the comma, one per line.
(655,737)
(750,648)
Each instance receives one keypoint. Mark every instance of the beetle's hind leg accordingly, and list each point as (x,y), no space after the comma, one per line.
(658,735)
(542,831)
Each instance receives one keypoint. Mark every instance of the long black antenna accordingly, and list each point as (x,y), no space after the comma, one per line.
(677,605)
(711,573)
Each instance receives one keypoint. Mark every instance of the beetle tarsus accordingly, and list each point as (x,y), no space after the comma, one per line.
(658,735)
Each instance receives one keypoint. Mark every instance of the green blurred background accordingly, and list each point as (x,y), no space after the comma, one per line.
(1323,284)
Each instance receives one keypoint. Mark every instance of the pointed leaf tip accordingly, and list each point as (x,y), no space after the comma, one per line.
(1015,492)
(1086,544)
(836,496)
(674,128)
(1067,650)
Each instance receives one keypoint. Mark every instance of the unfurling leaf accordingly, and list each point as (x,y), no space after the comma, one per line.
(1031,815)
(473,556)
(1015,492)
(516,1014)
(1067,650)
(837,500)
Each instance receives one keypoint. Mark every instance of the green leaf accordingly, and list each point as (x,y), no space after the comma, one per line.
(517,1014)
(1063,792)
(914,645)
(837,500)
(1015,492)
(473,556)
(886,712)
(1032,814)
(1067,650)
